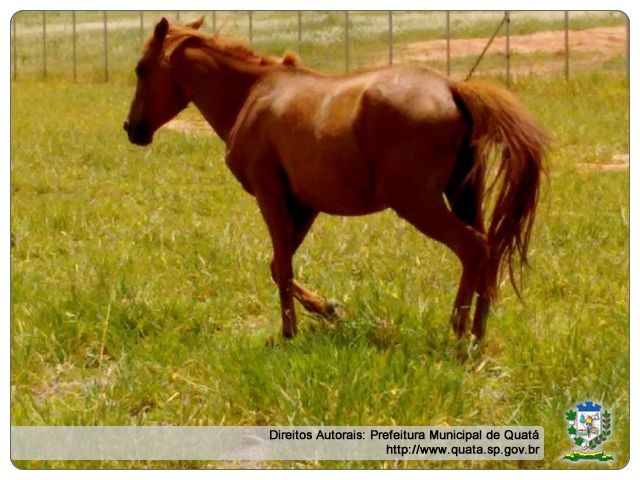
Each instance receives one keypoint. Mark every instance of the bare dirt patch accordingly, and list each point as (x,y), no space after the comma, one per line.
(191,126)
(603,42)
(618,163)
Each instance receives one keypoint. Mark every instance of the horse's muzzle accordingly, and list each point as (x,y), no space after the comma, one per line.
(139,134)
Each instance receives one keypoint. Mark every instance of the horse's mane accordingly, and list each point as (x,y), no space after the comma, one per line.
(224,46)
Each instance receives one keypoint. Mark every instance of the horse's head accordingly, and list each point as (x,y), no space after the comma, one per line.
(158,96)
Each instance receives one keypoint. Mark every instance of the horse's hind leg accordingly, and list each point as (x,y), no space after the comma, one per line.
(435,220)
(465,198)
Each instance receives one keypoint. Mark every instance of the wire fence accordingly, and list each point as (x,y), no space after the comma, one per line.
(92,46)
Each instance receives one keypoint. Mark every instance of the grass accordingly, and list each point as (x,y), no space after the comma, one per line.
(141,295)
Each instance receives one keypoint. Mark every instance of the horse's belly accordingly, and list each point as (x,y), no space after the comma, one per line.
(333,202)
(337,185)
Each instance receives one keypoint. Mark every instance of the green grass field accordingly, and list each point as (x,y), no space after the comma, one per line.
(141,292)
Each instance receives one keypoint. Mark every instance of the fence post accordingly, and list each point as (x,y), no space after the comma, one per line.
(566,45)
(448,35)
(250,26)
(15,47)
(75,50)
(390,37)
(346,39)
(508,47)
(44,44)
(213,21)
(177,15)
(141,27)
(299,32)
(106,50)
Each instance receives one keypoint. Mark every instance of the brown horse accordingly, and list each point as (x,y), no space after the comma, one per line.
(400,137)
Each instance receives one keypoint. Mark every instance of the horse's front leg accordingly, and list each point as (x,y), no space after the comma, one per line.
(272,200)
(314,303)
(303,217)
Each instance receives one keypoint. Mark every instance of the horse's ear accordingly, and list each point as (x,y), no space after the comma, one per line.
(171,49)
(197,24)
(290,59)
(161,30)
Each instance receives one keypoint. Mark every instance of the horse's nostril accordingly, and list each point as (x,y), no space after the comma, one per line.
(125,125)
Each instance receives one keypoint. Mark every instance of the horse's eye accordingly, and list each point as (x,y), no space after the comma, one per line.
(139,71)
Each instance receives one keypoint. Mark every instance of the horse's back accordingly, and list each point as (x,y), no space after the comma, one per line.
(340,138)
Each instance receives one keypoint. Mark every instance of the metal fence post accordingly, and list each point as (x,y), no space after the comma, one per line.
(106,50)
(508,47)
(299,32)
(448,35)
(390,37)
(566,45)
(346,39)
(44,44)
(75,50)
(15,47)
(250,26)
(141,27)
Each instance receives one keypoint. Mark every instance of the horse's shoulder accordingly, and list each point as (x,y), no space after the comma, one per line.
(268,101)
(254,109)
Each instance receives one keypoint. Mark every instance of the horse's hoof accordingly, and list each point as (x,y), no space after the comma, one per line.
(332,309)
(466,348)
(275,340)
(473,346)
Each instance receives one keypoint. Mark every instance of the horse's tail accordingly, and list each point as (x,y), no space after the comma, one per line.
(498,121)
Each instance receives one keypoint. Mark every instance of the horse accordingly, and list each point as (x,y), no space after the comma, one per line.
(401,137)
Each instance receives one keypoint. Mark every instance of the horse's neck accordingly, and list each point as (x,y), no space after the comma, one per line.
(220,89)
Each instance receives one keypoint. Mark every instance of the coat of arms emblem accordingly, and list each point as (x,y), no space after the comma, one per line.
(589,427)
